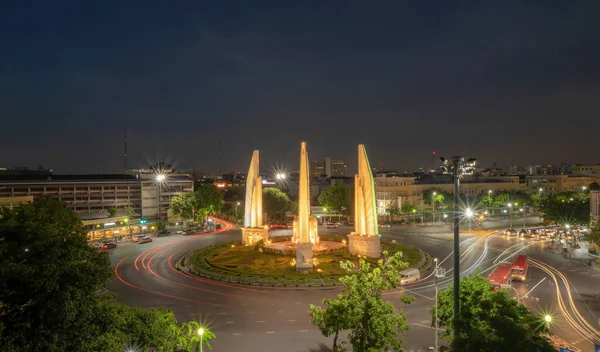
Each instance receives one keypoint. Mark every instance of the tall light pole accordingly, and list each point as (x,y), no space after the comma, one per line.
(523,216)
(415,217)
(509,205)
(457,167)
(236,211)
(280,176)
(160,178)
(433,203)
(201,333)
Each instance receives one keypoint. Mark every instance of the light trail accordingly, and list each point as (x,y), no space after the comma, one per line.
(536,285)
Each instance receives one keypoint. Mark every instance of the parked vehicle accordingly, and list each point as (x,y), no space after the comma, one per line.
(383,225)
(136,238)
(332,225)
(144,239)
(409,276)
(179,232)
(189,233)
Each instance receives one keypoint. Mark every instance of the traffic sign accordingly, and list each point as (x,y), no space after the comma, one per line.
(562,349)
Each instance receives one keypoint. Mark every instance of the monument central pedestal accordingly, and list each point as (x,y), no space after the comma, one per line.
(304,257)
(369,246)
(251,235)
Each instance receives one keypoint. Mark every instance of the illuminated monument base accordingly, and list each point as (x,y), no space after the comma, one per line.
(304,257)
(369,246)
(251,235)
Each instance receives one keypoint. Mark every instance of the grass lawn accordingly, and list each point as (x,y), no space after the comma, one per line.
(238,260)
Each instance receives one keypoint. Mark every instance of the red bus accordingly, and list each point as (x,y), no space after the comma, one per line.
(500,276)
(519,267)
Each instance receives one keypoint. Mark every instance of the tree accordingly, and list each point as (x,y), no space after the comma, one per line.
(275,202)
(336,198)
(594,234)
(112,211)
(594,186)
(208,199)
(182,205)
(409,209)
(566,208)
(489,320)
(51,284)
(373,323)
(393,210)
(49,277)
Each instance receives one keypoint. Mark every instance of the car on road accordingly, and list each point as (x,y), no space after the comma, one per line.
(179,232)
(108,245)
(189,233)
(163,233)
(409,276)
(144,239)
(383,225)
(332,225)
(511,232)
(218,226)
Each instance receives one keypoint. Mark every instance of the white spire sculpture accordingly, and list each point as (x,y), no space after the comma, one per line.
(253,230)
(305,233)
(365,239)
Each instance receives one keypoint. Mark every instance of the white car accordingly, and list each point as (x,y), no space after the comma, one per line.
(179,232)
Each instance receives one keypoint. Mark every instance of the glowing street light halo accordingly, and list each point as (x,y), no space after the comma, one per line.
(548,318)
(160,177)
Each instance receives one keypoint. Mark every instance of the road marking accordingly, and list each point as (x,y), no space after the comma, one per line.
(260,321)
(222,313)
(424,321)
(536,285)
(237,333)
(279,311)
(298,303)
(291,320)
(228,322)
(302,330)
(270,332)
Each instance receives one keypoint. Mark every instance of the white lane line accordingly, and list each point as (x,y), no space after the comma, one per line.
(260,321)
(237,333)
(270,332)
(302,330)
(222,313)
(536,285)
(279,311)
(291,320)
(228,322)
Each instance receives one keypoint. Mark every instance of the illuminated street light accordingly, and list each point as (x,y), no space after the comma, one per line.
(548,318)
(510,212)
(490,191)
(160,177)
(469,215)
(201,332)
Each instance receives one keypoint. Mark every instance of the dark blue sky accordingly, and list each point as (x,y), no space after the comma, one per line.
(507,82)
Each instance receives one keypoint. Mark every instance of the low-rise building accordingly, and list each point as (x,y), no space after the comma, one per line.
(586,170)
(550,184)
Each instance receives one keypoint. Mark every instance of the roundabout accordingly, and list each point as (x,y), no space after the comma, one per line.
(273,264)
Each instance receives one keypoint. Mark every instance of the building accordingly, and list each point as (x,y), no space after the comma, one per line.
(550,184)
(594,207)
(393,190)
(586,170)
(328,167)
(91,196)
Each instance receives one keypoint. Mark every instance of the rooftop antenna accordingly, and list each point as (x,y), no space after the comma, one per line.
(125,151)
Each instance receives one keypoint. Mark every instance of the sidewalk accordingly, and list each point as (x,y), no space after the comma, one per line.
(580,253)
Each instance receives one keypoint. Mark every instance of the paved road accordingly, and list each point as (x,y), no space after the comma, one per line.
(254,319)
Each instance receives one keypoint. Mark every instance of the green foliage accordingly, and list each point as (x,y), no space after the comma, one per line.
(489,320)
(50,289)
(161,225)
(189,338)
(393,210)
(566,208)
(594,186)
(594,234)
(408,299)
(182,205)
(275,201)
(409,209)
(373,323)
(112,211)
(336,198)
(208,199)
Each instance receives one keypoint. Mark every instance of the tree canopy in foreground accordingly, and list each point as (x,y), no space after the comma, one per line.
(490,321)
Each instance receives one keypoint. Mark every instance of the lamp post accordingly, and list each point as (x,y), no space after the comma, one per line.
(433,203)
(510,213)
(457,167)
(523,216)
(548,320)
(415,217)
(160,178)
(236,211)
(438,273)
(280,176)
(201,333)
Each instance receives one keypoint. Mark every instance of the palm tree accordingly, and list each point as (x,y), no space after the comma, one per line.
(189,339)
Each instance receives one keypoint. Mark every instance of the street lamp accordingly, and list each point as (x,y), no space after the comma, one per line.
(280,177)
(438,273)
(548,320)
(433,203)
(236,210)
(201,332)
(469,215)
(415,217)
(457,167)
(160,178)
(510,213)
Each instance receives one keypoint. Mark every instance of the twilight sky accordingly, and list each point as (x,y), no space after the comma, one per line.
(504,82)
